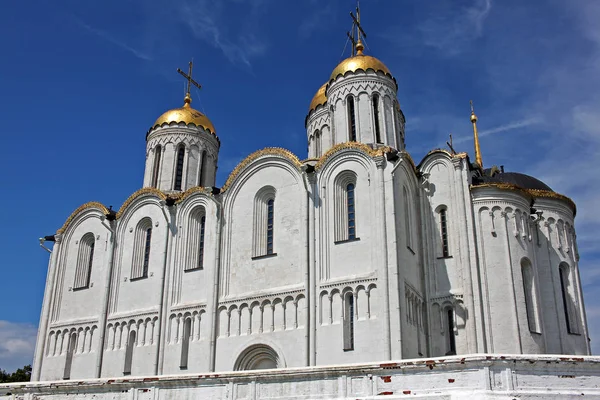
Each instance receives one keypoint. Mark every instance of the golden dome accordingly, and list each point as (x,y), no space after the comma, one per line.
(187,115)
(320,98)
(357,62)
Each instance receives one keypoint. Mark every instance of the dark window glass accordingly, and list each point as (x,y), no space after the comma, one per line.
(451,338)
(147,252)
(129,353)
(444,231)
(179,170)
(89,266)
(352,119)
(156,170)
(351,212)
(270,204)
(376,117)
(563,287)
(201,249)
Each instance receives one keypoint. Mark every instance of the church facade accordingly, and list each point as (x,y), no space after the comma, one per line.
(353,255)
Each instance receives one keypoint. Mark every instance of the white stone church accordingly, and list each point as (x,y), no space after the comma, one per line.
(353,255)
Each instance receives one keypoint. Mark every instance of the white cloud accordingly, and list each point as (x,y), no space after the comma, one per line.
(17,343)
(111,39)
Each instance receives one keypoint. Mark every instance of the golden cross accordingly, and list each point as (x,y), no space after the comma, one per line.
(357,30)
(189,79)
(472,109)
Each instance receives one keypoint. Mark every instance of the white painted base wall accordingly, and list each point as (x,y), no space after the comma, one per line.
(458,377)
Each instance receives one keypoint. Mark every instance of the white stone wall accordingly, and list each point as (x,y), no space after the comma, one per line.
(200,160)
(295,300)
(464,377)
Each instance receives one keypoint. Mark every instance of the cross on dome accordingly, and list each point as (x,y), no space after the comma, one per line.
(190,82)
(355,34)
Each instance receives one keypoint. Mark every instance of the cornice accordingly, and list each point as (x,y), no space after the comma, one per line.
(535,193)
(135,195)
(268,151)
(92,204)
(351,146)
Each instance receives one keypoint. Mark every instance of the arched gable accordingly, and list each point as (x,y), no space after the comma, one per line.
(82,212)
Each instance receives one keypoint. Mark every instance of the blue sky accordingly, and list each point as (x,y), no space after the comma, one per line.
(81,83)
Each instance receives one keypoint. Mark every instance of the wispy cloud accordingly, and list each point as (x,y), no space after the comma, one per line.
(206,21)
(502,128)
(451,27)
(111,39)
(17,343)
(316,21)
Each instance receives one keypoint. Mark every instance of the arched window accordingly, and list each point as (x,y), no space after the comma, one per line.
(270,205)
(185,343)
(196,233)
(70,351)
(450,338)
(258,356)
(141,249)
(344,198)
(264,223)
(351,119)
(317,144)
(348,321)
(376,118)
(129,353)
(85,259)
(202,177)
(179,168)
(156,168)
(351,211)
(407,220)
(567,298)
(445,247)
(530,294)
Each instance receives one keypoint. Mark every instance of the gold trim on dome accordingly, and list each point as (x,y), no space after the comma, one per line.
(191,191)
(91,204)
(352,145)
(320,98)
(186,115)
(135,195)
(277,151)
(535,193)
(359,62)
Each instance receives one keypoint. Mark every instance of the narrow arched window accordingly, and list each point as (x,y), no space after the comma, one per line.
(179,168)
(263,238)
(351,211)
(529,292)
(185,343)
(450,338)
(129,353)
(567,299)
(196,233)
(317,144)
(407,221)
(344,207)
(270,205)
(85,259)
(444,232)
(70,351)
(141,251)
(376,118)
(201,245)
(202,177)
(351,119)
(156,168)
(349,322)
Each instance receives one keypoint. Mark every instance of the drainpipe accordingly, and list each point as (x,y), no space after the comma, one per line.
(106,296)
(45,312)
(309,277)
(158,363)
(215,299)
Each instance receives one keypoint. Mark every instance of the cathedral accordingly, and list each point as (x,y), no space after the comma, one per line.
(353,253)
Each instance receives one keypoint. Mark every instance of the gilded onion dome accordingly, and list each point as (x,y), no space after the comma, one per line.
(319,98)
(187,115)
(359,62)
